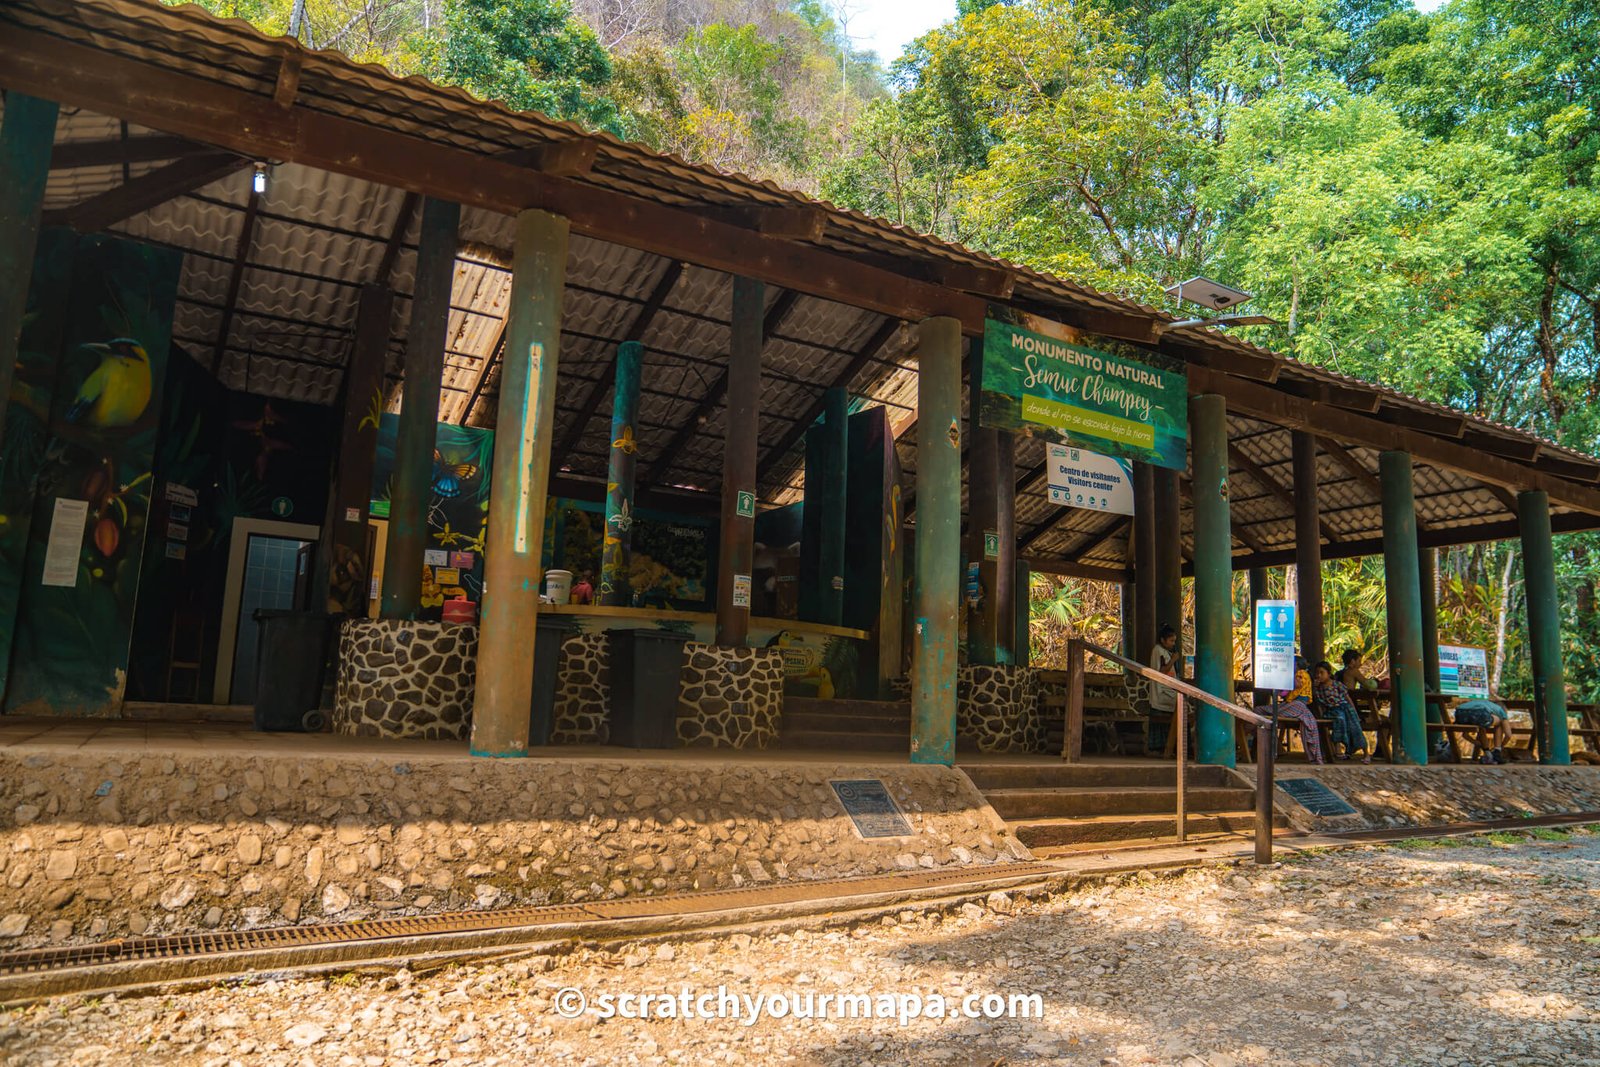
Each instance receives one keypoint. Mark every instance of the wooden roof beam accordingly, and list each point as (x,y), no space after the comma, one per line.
(69,155)
(559,159)
(997,283)
(397,238)
(1070,569)
(249,123)
(1520,449)
(1257,366)
(793,221)
(1096,538)
(143,193)
(1434,422)
(1330,423)
(287,87)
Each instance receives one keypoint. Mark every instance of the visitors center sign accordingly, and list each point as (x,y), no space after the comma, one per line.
(1038,382)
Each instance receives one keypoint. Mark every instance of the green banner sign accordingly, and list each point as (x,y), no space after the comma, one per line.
(1037,382)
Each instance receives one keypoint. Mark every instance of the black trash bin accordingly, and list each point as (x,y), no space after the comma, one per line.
(646,667)
(551,633)
(291,656)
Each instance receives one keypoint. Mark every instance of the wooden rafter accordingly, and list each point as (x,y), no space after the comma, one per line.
(869,351)
(774,318)
(241,257)
(143,193)
(1359,472)
(397,238)
(603,385)
(1275,487)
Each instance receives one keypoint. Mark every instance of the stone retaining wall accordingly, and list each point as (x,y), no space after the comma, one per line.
(998,707)
(1386,795)
(110,843)
(405,679)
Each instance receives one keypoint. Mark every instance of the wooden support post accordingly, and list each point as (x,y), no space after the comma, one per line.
(1544,628)
(1072,736)
(982,525)
(1308,546)
(1213,576)
(1143,562)
(832,498)
(514,549)
(736,554)
(27,136)
(616,553)
(1258,591)
(1005,567)
(345,541)
(1428,589)
(419,411)
(1021,636)
(1407,686)
(936,594)
(1167,540)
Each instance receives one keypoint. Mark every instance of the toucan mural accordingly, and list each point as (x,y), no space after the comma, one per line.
(76,485)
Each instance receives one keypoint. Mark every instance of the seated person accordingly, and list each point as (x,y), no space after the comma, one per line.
(1163,658)
(1494,727)
(1335,700)
(1296,704)
(1351,676)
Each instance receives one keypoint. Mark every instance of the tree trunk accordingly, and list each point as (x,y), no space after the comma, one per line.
(1548,351)
(1501,620)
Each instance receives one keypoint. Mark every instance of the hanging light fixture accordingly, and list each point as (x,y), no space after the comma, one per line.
(258,180)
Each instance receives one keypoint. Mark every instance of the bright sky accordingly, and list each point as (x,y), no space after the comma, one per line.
(887,26)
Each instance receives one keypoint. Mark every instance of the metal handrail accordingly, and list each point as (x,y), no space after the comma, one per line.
(1266,734)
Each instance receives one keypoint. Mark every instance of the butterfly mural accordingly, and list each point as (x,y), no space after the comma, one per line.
(448,478)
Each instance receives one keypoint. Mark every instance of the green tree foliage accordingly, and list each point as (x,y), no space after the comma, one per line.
(529,54)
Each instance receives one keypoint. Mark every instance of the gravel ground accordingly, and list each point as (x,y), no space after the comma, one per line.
(1476,953)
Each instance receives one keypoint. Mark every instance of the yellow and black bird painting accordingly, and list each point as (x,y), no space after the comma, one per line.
(117,391)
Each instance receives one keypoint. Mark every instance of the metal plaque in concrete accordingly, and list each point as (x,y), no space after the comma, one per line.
(1315,797)
(871,808)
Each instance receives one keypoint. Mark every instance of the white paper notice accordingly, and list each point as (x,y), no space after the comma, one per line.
(66,542)
(741,590)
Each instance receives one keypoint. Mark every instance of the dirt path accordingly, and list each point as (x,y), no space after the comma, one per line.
(1479,953)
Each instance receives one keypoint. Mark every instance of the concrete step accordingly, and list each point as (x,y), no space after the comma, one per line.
(1081,801)
(1052,774)
(1050,833)
(847,741)
(845,722)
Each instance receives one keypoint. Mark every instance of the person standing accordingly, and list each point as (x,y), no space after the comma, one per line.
(1163,701)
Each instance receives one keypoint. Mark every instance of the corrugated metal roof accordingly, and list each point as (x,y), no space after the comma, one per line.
(319,236)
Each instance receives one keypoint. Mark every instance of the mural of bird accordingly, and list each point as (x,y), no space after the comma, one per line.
(117,391)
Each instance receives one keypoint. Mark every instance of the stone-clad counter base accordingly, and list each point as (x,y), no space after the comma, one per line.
(405,679)
(115,843)
(1386,796)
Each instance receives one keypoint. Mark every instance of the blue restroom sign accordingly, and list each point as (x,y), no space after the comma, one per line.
(1274,644)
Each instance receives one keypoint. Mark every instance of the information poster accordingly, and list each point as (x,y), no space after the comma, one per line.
(1040,379)
(1274,644)
(1083,479)
(66,542)
(1463,671)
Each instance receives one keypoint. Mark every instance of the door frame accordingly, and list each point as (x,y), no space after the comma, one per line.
(233,589)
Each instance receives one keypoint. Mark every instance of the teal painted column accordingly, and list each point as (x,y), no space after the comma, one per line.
(936,590)
(1544,627)
(616,552)
(831,501)
(27,136)
(1213,576)
(520,479)
(419,411)
(1403,593)
(1428,593)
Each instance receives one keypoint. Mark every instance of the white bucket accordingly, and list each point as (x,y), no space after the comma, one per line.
(558,586)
